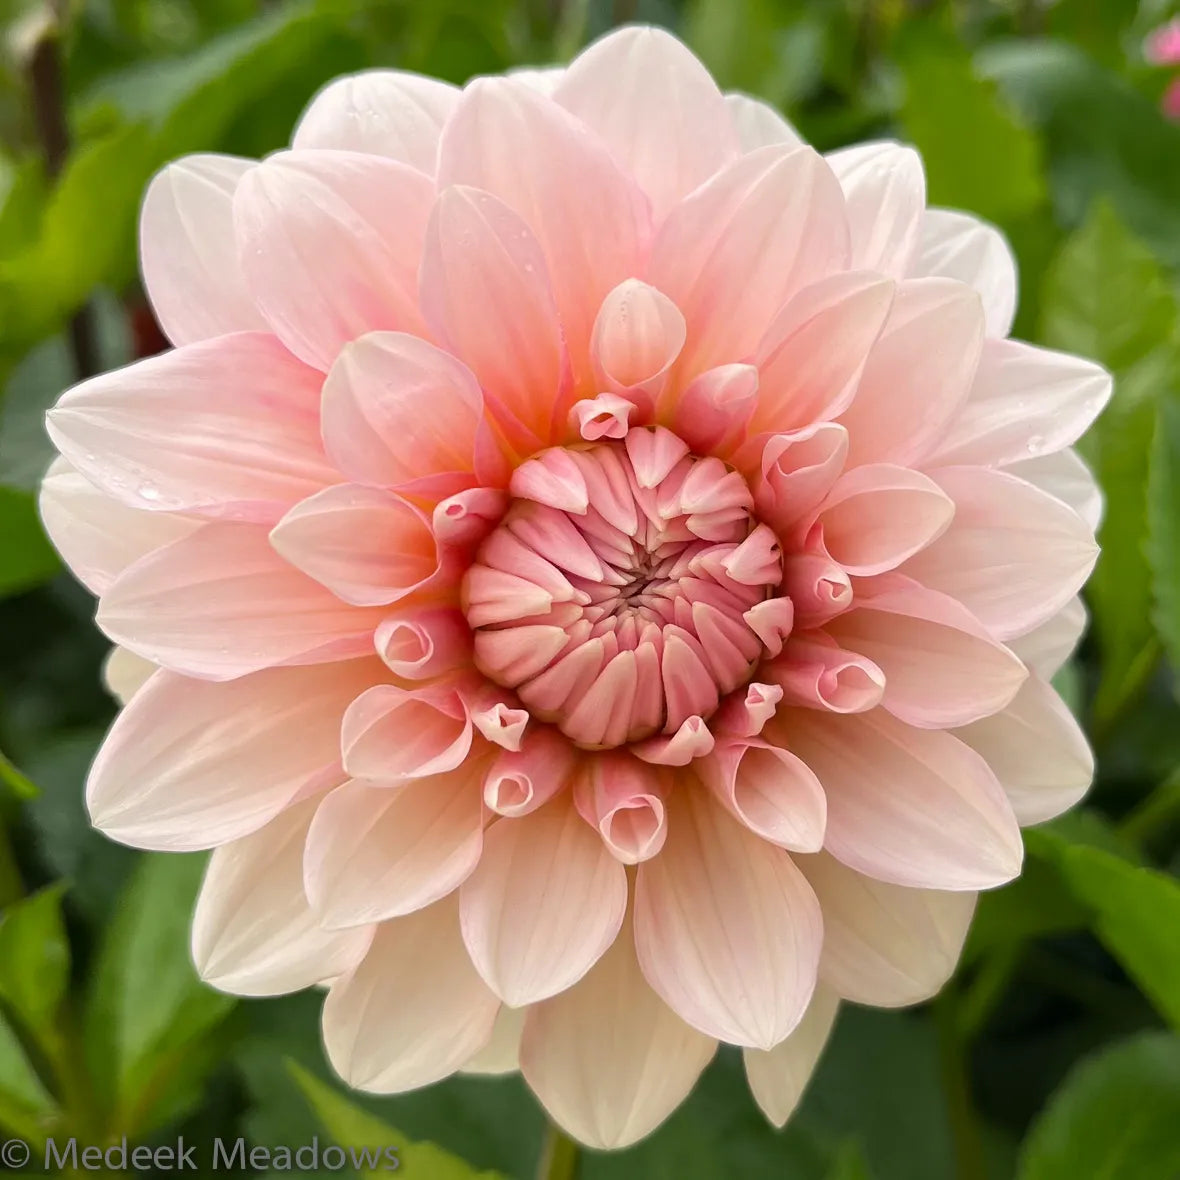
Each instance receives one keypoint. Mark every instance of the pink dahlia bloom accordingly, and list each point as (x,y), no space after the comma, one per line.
(591,568)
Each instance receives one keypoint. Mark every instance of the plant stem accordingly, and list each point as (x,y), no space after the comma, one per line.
(968,1147)
(559,1156)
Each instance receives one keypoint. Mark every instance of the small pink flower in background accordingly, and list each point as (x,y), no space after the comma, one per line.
(1162,48)
(591,568)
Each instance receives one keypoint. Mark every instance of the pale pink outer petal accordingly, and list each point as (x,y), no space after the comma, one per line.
(1037,750)
(501,1054)
(189,764)
(1046,647)
(941,666)
(98,537)
(656,108)
(487,294)
(1066,476)
(960,246)
(396,410)
(389,113)
(885,945)
(727,930)
(608,1059)
(910,806)
(919,373)
(1013,555)
(124,673)
(330,244)
(227,428)
(254,933)
(413,1011)
(812,356)
(885,192)
(545,902)
(366,545)
(589,216)
(750,238)
(543,79)
(1024,402)
(221,603)
(757,123)
(638,333)
(778,1076)
(187,251)
(377,852)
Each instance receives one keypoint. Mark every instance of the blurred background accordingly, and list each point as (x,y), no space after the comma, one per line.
(1049,1057)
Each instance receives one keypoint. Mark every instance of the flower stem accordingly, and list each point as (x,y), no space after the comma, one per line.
(957,1088)
(559,1156)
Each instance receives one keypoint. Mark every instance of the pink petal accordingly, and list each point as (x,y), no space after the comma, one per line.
(816,586)
(941,666)
(424,642)
(501,1055)
(713,412)
(1046,648)
(918,374)
(227,428)
(759,231)
(486,293)
(726,929)
(1037,750)
(188,255)
(910,806)
(798,470)
(254,933)
(1065,476)
(779,1076)
(189,764)
(383,113)
(1013,556)
(622,800)
(221,602)
(1024,402)
(769,790)
(817,673)
(656,108)
(589,217)
(330,243)
(99,537)
(877,516)
(885,945)
(378,852)
(608,1059)
(885,193)
(520,781)
(812,355)
(391,733)
(638,334)
(124,673)
(544,904)
(413,1011)
(397,410)
(366,545)
(758,124)
(959,246)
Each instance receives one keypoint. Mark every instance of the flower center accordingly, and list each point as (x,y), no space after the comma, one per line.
(626,590)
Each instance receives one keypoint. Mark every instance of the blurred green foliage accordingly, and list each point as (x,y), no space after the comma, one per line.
(1049,1057)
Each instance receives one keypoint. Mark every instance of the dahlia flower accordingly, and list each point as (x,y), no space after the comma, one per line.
(590,568)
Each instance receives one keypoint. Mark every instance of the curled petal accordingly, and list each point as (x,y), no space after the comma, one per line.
(818,588)
(413,1011)
(885,945)
(377,852)
(464,519)
(254,933)
(817,673)
(501,724)
(712,413)
(424,643)
(392,733)
(520,781)
(744,715)
(769,790)
(692,740)
(545,902)
(798,470)
(623,801)
(638,334)
(368,546)
(772,620)
(383,113)
(604,416)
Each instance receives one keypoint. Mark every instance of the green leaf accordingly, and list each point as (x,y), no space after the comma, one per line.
(149,1017)
(1135,912)
(977,152)
(1106,297)
(34,958)
(352,1127)
(849,1164)
(1114,1117)
(19,784)
(1163,526)
(25,1105)
(27,559)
